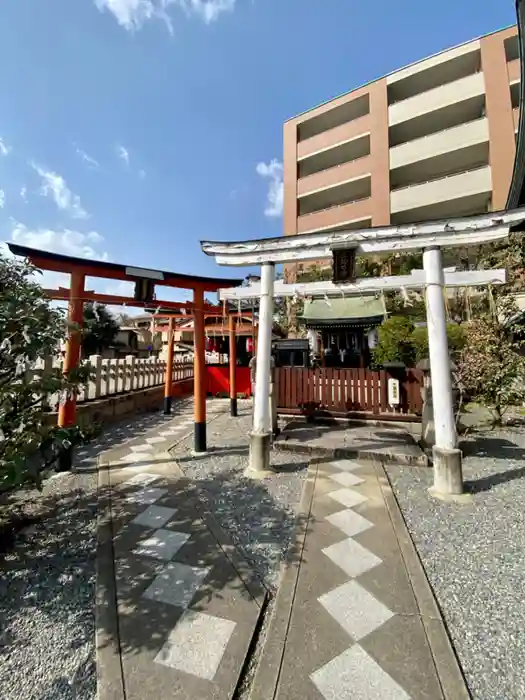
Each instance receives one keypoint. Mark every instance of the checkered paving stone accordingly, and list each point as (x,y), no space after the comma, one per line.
(354,674)
(163,561)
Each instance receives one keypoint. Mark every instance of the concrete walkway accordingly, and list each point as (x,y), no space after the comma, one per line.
(181,614)
(394,442)
(355,618)
(176,608)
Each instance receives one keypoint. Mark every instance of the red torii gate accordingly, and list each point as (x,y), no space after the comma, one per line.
(145,281)
(232,355)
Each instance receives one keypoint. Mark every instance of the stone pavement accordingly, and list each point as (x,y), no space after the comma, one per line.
(176,613)
(391,442)
(355,618)
(182,614)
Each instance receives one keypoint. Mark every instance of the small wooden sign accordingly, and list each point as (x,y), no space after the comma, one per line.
(343,265)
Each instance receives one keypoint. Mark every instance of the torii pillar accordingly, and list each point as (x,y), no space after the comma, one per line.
(67,410)
(448,476)
(261,435)
(199,372)
(233,366)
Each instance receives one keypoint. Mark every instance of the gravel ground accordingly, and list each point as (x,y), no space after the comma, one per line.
(47,595)
(47,585)
(258,515)
(474,556)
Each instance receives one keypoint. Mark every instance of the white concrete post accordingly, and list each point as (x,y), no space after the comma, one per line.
(260,438)
(118,368)
(448,478)
(130,366)
(96,362)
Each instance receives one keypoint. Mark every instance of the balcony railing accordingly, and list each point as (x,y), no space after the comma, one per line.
(333,168)
(435,133)
(334,206)
(441,177)
(434,87)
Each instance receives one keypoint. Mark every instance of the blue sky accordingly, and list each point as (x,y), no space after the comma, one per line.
(132,129)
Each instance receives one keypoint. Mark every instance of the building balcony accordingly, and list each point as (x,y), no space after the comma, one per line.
(440,143)
(435,71)
(423,104)
(513,69)
(340,154)
(351,215)
(334,136)
(332,177)
(342,193)
(340,111)
(465,185)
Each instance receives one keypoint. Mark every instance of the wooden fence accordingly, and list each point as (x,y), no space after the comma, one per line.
(119,376)
(350,393)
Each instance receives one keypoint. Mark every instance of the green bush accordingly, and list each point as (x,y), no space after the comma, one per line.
(395,344)
(456,340)
(400,341)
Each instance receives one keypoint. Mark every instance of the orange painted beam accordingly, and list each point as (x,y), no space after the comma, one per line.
(91,268)
(62,294)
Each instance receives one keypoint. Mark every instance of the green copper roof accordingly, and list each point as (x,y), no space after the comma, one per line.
(351,310)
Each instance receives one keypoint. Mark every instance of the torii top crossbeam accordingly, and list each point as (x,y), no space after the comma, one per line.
(56,262)
(367,285)
(451,232)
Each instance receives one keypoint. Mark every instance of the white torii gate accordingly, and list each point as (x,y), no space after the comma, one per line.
(430,237)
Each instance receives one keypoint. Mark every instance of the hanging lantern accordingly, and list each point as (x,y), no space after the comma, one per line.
(373,338)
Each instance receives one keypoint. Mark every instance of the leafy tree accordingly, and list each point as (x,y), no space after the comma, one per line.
(510,254)
(395,343)
(491,367)
(99,331)
(456,340)
(30,330)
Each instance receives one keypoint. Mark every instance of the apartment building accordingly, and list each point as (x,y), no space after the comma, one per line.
(431,140)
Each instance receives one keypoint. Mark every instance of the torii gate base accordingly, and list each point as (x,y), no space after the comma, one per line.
(448,473)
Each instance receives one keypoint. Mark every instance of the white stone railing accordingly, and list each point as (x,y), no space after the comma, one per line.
(119,375)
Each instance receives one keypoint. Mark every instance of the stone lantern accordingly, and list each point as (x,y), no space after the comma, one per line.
(428,437)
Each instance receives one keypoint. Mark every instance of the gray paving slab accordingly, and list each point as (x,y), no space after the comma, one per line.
(350,624)
(351,440)
(178,612)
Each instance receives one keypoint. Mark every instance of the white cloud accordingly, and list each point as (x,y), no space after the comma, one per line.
(87,158)
(65,241)
(23,193)
(123,154)
(55,186)
(2,199)
(142,174)
(133,14)
(273,173)
(4,149)
(207,10)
